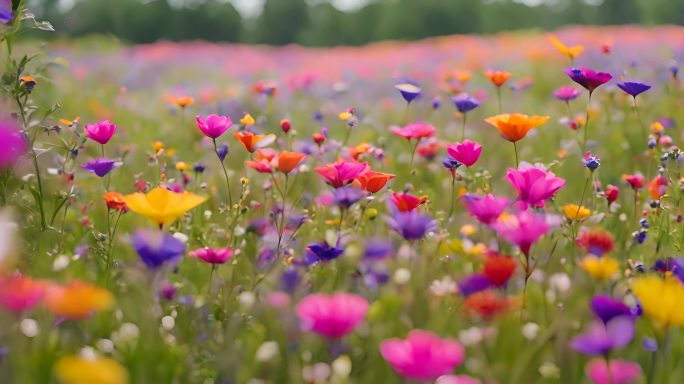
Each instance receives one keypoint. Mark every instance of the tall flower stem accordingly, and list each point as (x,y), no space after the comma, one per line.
(463,126)
(225,174)
(638,116)
(515,148)
(34,158)
(586,126)
(413,155)
(498,98)
(453,195)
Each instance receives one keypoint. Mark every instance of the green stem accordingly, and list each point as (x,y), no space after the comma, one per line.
(225,174)
(463,126)
(586,126)
(515,148)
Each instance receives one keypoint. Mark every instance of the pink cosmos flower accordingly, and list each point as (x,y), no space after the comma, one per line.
(341,173)
(18,293)
(534,184)
(333,316)
(524,228)
(213,255)
(13,144)
(100,132)
(467,152)
(621,372)
(486,209)
(422,355)
(214,126)
(457,379)
(417,130)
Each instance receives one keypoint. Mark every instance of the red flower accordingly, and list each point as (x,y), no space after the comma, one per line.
(636,181)
(407,202)
(596,241)
(657,187)
(499,268)
(612,192)
(487,304)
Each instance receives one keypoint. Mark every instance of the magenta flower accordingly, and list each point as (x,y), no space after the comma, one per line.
(588,78)
(213,255)
(534,184)
(486,209)
(214,126)
(566,93)
(100,132)
(13,143)
(101,167)
(332,316)
(614,372)
(418,130)
(467,152)
(422,355)
(341,173)
(524,228)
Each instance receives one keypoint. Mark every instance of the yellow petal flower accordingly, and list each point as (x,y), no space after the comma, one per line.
(661,299)
(162,206)
(247,119)
(600,268)
(571,52)
(576,212)
(78,370)
(344,116)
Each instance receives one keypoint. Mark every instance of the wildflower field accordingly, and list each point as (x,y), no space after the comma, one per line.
(458,210)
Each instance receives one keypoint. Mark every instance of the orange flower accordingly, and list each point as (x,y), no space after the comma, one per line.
(372,181)
(180,101)
(265,154)
(287,161)
(248,140)
(514,127)
(259,166)
(497,78)
(115,201)
(487,304)
(77,300)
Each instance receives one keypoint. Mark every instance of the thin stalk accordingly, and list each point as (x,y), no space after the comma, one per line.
(225,174)
(586,126)
(34,157)
(515,148)
(463,126)
(498,98)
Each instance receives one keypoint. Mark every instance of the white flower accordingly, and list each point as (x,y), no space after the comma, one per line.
(402,276)
(29,328)
(267,351)
(441,288)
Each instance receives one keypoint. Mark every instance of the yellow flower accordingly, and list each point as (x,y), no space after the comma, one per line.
(571,52)
(161,205)
(468,230)
(79,370)
(247,119)
(158,146)
(661,299)
(181,166)
(576,212)
(657,128)
(344,116)
(371,213)
(600,268)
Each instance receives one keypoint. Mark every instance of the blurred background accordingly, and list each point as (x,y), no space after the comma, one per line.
(336,22)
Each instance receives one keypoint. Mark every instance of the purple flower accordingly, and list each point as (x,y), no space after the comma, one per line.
(5,11)
(157,248)
(464,103)
(214,126)
(587,78)
(678,268)
(566,93)
(473,284)
(101,167)
(411,225)
(450,163)
(222,151)
(601,338)
(319,252)
(377,249)
(634,88)
(347,196)
(289,280)
(13,143)
(606,308)
(436,102)
(409,90)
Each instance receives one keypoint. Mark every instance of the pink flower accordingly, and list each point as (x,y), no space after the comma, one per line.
(524,228)
(422,355)
(214,126)
(486,209)
(341,173)
(467,152)
(100,132)
(13,144)
(333,316)
(534,184)
(457,379)
(621,372)
(18,293)
(213,255)
(417,130)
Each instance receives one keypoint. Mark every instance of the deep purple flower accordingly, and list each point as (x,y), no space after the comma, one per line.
(347,196)
(473,284)
(289,280)
(168,291)
(5,11)
(13,143)
(319,252)
(588,78)
(566,93)
(101,167)
(436,102)
(222,151)
(606,308)
(464,103)
(409,90)
(601,338)
(157,248)
(591,162)
(678,268)
(450,163)
(377,249)
(411,225)
(199,168)
(633,88)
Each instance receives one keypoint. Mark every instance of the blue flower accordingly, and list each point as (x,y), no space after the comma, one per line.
(633,88)
(464,103)
(411,225)
(157,248)
(101,167)
(321,252)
